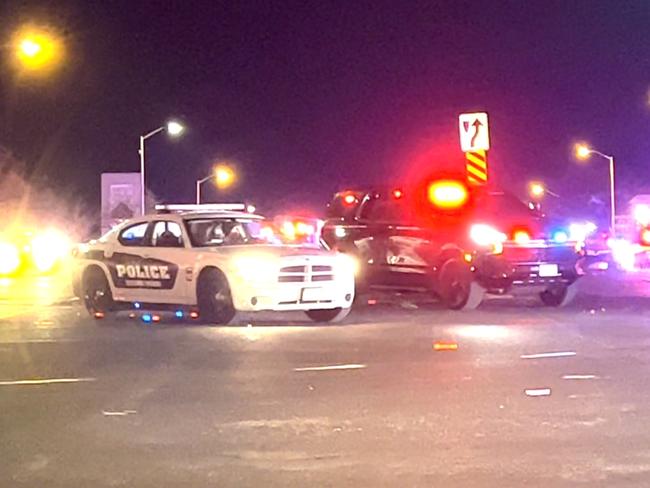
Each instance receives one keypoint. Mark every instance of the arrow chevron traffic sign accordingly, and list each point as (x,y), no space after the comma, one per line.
(476,165)
(474,131)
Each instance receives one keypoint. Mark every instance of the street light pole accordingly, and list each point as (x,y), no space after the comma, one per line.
(198,187)
(611,196)
(143,202)
(584,151)
(173,129)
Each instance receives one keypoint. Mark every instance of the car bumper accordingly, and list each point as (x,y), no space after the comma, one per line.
(295,296)
(532,267)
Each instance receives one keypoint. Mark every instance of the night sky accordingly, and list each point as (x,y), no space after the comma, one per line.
(308,97)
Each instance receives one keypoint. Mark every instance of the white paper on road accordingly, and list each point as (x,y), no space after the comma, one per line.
(49,381)
(534,392)
(548,355)
(332,367)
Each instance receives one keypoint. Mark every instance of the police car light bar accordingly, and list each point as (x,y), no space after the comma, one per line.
(206,207)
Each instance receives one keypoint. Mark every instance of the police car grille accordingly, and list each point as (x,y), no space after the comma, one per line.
(307,273)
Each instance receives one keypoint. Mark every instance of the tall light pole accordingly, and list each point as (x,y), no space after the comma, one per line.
(173,129)
(583,152)
(224,176)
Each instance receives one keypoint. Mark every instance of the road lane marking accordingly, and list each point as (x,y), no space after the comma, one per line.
(548,355)
(332,367)
(535,392)
(121,413)
(49,381)
(580,377)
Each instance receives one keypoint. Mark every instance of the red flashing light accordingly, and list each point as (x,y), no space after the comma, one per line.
(349,199)
(645,237)
(155,318)
(448,194)
(99,315)
(194,315)
(397,194)
(521,236)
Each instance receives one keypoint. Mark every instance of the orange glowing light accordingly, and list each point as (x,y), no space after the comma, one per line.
(447,193)
(445,346)
(645,237)
(349,199)
(99,315)
(397,194)
(521,237)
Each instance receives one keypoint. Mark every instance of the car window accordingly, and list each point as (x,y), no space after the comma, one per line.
(224,232)
(167,234)
(134,235)
(384,210)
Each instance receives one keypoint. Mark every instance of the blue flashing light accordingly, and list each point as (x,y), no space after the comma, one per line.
(147,318)
(560,236)
(179,314)
(137,305)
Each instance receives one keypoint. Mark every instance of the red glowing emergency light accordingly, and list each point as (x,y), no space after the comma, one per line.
(447,194)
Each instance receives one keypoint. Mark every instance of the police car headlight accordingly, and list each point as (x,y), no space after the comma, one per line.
(346,264)
(487,236)
(9,258)
(256,268)
(48,249)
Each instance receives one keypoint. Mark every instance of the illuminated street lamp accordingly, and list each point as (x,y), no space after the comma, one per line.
(37,50)
(223,175)
(583,152)
(538,190)
(174,129)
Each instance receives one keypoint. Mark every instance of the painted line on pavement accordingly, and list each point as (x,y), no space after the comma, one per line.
(580,377)
(332,367)
(49,381)
(548,355)
(538,392)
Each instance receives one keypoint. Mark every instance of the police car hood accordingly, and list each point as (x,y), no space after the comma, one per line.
(271,250)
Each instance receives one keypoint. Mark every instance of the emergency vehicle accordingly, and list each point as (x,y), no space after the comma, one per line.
(452,240)
(209,261)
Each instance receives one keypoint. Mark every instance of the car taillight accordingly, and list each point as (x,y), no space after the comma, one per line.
(644,237)
(349,199)
(447,194)
(521,237)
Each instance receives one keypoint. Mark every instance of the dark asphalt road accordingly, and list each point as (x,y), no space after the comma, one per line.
(193,405)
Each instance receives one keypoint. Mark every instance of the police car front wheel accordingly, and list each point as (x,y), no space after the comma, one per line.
(97,295)
(214,297)
(328,315)
(559,296)
(457,288)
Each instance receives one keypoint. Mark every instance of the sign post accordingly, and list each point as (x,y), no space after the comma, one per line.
(475,143)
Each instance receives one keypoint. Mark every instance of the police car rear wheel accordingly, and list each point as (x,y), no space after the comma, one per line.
(97,293)
(457,288)
(214,297)
(559,296)
(328,315)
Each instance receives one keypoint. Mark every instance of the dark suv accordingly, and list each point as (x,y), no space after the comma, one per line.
(454,241)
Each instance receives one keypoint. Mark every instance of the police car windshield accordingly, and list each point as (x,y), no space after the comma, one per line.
(205,232)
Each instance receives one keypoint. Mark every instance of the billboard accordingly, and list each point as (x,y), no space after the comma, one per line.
(120,198)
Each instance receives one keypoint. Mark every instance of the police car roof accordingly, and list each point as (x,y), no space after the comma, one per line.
(219,215)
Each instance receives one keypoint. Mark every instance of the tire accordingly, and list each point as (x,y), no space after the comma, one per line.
(457,288)
(215,298)
(331,315)
(96,293)
(559,296)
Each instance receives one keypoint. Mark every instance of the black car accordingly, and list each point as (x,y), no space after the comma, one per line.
(452,240)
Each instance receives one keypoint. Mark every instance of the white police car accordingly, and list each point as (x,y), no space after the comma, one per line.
(214,261)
